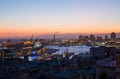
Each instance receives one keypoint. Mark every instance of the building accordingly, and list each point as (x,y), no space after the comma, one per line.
(102,52)
(92,37)
(106,38)
(105,68)
(117,57)
(99,39)
(7,53)
(66,75)
(88,73)
(81,38)
(18,69)
(97,52)
(113,36)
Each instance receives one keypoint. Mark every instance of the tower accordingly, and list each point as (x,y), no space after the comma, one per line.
(54,38)
(31,39)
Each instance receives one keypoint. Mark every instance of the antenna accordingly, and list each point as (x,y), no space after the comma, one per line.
(32,38)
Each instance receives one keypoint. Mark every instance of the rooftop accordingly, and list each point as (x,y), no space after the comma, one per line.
(107,62)
(66,74)
(89,70)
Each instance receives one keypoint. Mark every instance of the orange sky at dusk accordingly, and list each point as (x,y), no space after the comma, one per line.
(8,31)
(37,17)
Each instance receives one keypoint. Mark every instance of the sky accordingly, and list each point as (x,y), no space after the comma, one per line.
(39,17)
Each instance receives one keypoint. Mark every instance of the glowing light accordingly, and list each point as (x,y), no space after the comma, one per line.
(33,52)
(37,44)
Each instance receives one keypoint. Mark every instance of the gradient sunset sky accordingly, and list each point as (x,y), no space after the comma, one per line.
(27,17)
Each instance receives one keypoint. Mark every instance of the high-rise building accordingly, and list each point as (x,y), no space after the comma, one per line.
(81,38)
(99,38)
(106,37)
(92,38)
(86,38)
(113,36)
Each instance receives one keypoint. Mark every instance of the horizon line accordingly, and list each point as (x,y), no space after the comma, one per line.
(37,35)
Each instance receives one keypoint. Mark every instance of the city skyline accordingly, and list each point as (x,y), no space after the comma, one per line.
(38,17)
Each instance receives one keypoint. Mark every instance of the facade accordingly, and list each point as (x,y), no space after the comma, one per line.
(105,68)
(7,53)
(66,75)
(81,38)
(113,36)
(117,57)
(88,73)
(18,69)
(92,37)
(102,52)
(99,39)
(106,38)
